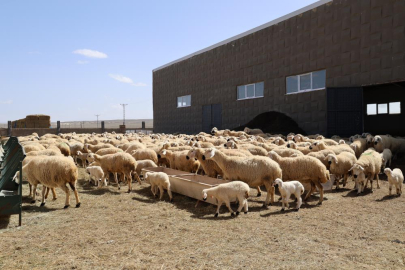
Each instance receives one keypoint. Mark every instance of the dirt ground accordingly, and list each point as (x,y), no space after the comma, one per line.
(116,230)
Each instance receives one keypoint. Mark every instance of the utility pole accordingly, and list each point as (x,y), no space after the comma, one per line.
(123,107)
(97,119)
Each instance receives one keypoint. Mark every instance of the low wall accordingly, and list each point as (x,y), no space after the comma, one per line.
(42,131)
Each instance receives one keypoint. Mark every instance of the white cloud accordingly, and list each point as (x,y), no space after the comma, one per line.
(9,101)
(80,62)
(124,79)
(91,53)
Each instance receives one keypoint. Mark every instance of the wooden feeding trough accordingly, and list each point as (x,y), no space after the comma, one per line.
(188,184)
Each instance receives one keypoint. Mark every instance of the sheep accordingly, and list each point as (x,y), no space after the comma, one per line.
(382,142)
(142,154)
(94,148)
(97,174)
(255,150)
(33,147)
(288,188)
(116,163)
(303,168)
(253,131)
(178,161)
(141,164)
(52,172)
(287,152)
(366,168)
(321,156)
(395,178)
(293,145)
(386,156)
(337,149)
(227,192)
(255,171)
(359,145)
(74,148)
(340,165)
(47,152)
(210,167)
(107,151)
(159,180)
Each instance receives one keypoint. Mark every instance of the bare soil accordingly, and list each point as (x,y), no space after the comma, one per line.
(116,230)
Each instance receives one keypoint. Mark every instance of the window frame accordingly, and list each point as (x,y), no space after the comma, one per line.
(299,83)
(254,90)
(182,97)
(376,109)
(389,108)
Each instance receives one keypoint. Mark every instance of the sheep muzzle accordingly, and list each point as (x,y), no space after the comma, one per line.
(203,157)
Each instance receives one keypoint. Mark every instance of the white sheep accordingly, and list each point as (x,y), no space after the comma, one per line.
(159,180)
(340,165)
(97,174)
(228,192)
(288,188)
(395,178)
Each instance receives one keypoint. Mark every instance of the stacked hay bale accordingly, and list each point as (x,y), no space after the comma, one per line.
(38,121)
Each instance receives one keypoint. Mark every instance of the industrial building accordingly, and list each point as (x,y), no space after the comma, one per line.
(335,67)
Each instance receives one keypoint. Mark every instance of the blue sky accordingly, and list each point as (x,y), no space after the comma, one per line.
(74,59)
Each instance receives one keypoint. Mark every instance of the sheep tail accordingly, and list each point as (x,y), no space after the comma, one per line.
(246,194)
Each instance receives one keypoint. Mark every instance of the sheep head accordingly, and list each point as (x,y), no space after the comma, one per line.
(377,140)
(278,183)
(388,171)
(331,158)
(204,194)
(358,171)
(209,153)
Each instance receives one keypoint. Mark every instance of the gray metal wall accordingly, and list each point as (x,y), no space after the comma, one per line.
(358,42)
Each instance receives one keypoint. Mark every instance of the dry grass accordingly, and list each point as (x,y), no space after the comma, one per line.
(116,230)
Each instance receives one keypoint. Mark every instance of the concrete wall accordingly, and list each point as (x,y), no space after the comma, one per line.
(358,42)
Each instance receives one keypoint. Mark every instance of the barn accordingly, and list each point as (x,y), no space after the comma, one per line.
(335,67)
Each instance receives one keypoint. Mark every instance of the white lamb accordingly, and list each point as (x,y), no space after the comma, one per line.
(386,156)
(159,180)
(395,178)
(288,188)
(227,192)
(97,174)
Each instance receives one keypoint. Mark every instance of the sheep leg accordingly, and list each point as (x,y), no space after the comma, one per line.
(270,191)
(390,188)
(73,187)
(116,180)
(282,203)
(44,190)
(152,188)
(371,182)
(378,181)
(246,206)
(53,194)
(259,192)
(287,202)
(241,201)
(129,182)
(138,178)
(310,191)
(320,187)
(34,193)
(170,194)
(30,186)
(219,203)
(161,192)
(47,192)
(345,180)
(67,200)
(299,201)
(337,180)
(228,204)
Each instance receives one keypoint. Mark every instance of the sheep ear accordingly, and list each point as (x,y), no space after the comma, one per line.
(351,169)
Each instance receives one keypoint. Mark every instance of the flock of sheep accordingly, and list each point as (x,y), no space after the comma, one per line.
(249,159)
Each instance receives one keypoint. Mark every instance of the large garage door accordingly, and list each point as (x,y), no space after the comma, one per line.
(345,111)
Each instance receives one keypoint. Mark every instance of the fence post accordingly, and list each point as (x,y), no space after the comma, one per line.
(143,124)
(9,129)
(102,127)
(57,127)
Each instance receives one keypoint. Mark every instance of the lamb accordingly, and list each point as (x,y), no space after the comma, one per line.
(288,188)
(52,172)
(255,171)
(159,180)
(395,178)
(94,148)
(227,192)
(141,164)
(303,168)
(386,156)
(337,149)
(340,165)
(210,167)
(142,154)
(82,157)
(122,163)
(97,174)
(366,168)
